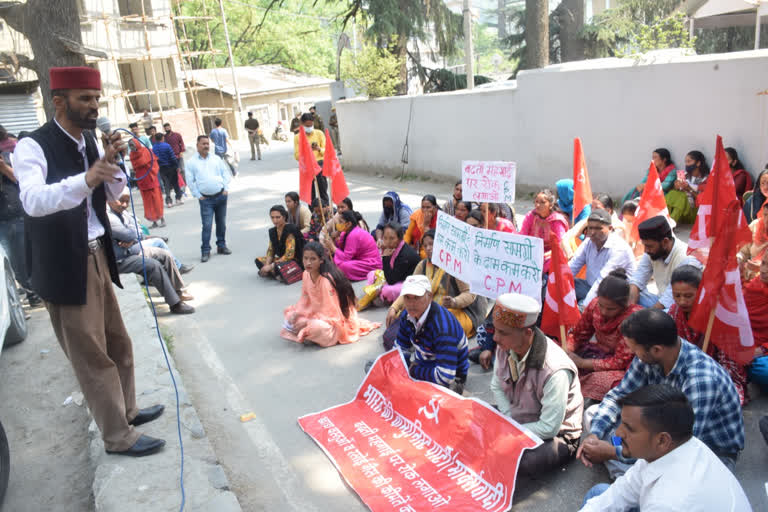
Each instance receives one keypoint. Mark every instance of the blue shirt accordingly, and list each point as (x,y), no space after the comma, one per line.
(441,347)
(615,253)
(715,401)
(219,137)
(207,176)
(165,155)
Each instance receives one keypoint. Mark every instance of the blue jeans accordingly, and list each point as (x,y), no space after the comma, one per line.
(582,289)
(597,490)
(758,372)
(160,244)
(12,240)
(211,207)
(647,299)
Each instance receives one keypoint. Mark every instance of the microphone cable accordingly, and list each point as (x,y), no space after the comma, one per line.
(154,311)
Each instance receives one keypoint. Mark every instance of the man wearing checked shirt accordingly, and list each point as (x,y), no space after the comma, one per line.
(661,357)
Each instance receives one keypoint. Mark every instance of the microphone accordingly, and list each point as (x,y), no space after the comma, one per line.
(104,125)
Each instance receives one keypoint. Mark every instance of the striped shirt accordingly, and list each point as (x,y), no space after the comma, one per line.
(719,422)
(440,346)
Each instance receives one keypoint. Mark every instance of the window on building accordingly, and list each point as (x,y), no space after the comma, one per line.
(133,7)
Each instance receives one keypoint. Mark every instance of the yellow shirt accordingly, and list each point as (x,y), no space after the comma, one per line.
(315,136)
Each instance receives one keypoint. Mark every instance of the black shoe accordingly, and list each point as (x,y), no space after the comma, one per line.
(205,257)
(148,414)
(474,355)
(368,365)
(223,250)
(182,308)
(34,300)
(185,269)
(143,446)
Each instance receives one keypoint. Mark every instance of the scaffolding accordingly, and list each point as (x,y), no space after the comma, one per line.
(177,22)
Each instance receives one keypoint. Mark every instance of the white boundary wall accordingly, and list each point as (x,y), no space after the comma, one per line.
(622,109)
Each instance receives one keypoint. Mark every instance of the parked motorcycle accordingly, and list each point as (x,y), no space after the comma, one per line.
(279,133)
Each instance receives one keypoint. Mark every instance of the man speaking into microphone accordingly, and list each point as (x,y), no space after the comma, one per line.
(65,178)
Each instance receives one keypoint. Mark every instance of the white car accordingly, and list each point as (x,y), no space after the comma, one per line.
(13,329)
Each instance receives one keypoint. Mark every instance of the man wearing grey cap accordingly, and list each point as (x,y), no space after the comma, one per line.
(536,384)
(602,252)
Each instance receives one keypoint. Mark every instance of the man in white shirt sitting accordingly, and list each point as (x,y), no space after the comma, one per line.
(602,252)
(676,471)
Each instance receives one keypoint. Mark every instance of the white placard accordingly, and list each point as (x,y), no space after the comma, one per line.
(488,182)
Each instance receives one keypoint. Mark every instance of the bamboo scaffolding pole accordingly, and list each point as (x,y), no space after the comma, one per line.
(192,95)
(151,64)
(114,60)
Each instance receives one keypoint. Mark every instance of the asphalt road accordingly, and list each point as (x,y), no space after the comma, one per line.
(237,363)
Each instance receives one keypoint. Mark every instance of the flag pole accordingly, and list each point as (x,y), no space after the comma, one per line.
(320,199)
(562,336)
(708,333)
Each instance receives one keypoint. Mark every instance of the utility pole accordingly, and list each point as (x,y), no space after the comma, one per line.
(239,117)
(468,58)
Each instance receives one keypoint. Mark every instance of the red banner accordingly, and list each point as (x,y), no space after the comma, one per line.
(407,446)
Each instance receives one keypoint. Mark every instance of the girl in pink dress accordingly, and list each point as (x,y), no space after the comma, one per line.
(325,314)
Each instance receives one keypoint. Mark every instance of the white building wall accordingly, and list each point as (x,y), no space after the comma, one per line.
(621,113)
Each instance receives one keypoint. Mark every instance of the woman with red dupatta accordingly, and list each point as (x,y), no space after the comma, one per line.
(756,297)
(543,220)
(146,168)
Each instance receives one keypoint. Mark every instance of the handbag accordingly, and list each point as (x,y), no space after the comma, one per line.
(290,271)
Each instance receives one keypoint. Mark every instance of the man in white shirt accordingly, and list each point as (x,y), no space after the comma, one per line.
(602,252)
(676,471)
(65,179)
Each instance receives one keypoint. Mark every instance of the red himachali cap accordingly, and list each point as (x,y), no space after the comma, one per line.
(78,77)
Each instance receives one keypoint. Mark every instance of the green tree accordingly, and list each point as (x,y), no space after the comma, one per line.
(375,72)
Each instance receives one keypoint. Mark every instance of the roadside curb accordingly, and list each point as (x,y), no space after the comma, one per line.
(152,483)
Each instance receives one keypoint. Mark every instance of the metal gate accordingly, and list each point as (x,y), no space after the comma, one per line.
(18,113)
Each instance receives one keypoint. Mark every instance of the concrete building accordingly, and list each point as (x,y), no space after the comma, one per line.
(271,92)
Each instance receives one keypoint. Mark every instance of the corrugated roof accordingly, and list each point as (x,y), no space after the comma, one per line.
(257,79)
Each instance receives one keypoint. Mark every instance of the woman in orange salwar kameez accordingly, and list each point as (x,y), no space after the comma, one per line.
(146,176)
(325,314)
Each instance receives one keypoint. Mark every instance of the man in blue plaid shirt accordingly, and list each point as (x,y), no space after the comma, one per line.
(661,357)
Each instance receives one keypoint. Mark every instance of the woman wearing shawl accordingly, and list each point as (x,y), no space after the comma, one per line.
(596,344)
(685,282)
(756,298)
(325,313)
(681,201)
(422,220)
(450,205)
(398,260)
(393,210)
(741,178)
(565,201)
(759,195)
(355,251)
(469,309)
(285,243)
(751,255)
(544,220)
(666,169)
(149,186)
(298,214)
(492,211)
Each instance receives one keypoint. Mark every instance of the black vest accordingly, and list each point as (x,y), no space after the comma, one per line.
(57,244)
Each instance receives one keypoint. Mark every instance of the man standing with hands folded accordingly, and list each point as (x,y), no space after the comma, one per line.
(65,180)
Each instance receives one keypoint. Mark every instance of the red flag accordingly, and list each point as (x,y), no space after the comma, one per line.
(652,202)
(308,168)
(560,306)
(332,169)
(720,291)
(582,191)
(712,202)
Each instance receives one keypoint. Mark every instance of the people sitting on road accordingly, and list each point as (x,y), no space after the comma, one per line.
(759,195)
(657,428)
(663,254)
(750,256)
(298,213)
(485,351)
(574,237)
(756,299)
(662,160)
(596,344)
(156,264)
(398,261)
(325,313)
(316,223)
(496,221)
(146,171)
(536,384)
(421,221)
(462,210)
(741,178)
(393,210)
(449,206)
(439,343)
(601,252)
(565,204)
(476,219)
(544,220)
(454,295)
(286,243)
(355,251)
(662,357)
(344,205)
(681,201)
